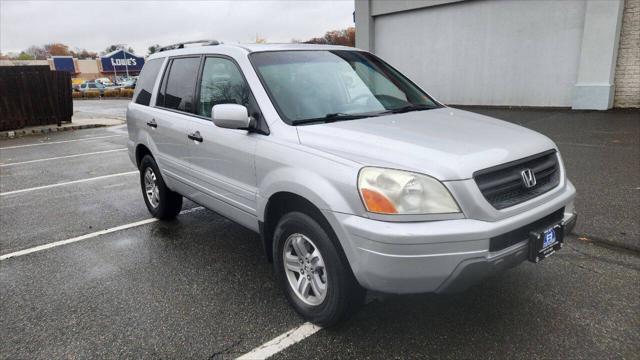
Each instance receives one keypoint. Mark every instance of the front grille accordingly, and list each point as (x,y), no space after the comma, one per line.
(513,237)
(503,186)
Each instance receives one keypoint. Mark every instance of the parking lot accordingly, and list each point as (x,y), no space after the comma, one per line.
(86,273)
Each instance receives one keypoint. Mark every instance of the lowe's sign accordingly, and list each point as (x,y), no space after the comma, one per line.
(121,61)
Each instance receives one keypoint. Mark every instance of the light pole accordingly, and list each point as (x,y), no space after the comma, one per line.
(126,65)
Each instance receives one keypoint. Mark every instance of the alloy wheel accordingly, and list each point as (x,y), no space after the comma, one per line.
(151,187)
(305,269)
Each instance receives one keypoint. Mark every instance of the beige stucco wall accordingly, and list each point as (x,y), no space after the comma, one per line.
(88,66)
(627,79)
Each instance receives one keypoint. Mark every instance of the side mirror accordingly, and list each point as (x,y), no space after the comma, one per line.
(230,116)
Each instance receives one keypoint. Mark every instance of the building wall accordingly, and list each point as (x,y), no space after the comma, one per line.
(88,70)
(627,80)
(23,62)
(504,52)
(488,52)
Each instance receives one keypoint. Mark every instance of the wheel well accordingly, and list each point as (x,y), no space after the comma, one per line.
(280,204)
(141,151)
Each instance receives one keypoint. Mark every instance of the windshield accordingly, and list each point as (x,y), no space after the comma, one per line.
(319,85)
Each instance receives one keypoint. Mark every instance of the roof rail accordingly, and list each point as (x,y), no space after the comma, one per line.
(182,44)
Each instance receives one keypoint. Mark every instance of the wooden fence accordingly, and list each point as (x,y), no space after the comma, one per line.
(34,95)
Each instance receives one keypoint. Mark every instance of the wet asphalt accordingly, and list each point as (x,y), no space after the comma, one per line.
(199,287)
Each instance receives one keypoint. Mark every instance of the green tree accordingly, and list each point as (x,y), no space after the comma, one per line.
(24,56)
(153,49)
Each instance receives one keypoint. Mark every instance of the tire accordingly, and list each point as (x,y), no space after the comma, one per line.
(162,203)
(342,294)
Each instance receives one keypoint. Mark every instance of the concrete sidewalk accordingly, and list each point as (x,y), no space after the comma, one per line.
(87,114)
(601,151)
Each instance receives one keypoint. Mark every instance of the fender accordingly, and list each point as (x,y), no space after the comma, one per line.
(307,184)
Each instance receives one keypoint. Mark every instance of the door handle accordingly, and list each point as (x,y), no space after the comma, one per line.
(152,123)
(195,136)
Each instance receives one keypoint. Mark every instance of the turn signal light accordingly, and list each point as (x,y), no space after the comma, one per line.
(377,203)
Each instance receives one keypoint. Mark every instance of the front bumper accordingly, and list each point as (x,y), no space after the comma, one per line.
(437,256)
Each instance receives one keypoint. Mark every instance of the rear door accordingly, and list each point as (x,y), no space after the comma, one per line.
(175,103)
(223,161)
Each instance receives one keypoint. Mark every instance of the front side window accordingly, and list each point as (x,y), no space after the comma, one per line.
(178,86)
(319,84)
(148,77)
(222,83)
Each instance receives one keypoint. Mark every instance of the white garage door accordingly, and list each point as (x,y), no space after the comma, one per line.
(488,52)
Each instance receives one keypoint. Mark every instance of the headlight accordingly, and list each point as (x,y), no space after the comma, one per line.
(387,191)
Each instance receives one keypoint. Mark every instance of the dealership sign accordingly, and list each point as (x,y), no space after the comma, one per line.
(121,61)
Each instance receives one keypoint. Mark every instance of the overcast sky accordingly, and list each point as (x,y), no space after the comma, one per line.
(96,24)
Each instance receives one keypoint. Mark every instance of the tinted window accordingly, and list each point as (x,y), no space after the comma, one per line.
(148,77)
(222,83)
(178,85)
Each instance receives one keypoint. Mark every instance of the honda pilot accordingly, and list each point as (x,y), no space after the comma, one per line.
(355,178)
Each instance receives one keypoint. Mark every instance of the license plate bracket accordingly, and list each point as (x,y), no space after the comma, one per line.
(546,242)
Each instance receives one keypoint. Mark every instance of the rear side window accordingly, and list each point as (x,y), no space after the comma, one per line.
(147,79)
(178,85)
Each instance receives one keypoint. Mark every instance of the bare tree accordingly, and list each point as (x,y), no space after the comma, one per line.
(57,49)
(345,37)
(37,52)
(114,47)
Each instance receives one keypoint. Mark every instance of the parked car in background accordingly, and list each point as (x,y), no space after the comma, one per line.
(92,85)
(354,177)
(129,83)
(105,81)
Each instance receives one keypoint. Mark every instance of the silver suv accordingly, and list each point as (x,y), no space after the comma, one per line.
(354,177)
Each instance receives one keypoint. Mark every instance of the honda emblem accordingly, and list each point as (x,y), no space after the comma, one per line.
(528,178)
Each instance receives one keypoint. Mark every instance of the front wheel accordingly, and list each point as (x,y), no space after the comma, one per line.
(161,202)
(313,271)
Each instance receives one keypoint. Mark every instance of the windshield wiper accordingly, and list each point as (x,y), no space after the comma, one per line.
(409,108)
(333,117)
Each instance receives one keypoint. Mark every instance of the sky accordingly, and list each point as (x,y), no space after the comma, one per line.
(94,25)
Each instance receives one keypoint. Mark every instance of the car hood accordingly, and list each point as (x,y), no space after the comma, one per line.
(446,143)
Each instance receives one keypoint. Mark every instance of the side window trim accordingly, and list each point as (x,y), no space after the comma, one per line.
(162,85)
(158,82)
(264,124)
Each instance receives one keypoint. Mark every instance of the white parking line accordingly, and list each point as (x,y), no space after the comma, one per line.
(281,342)
(61,157)
(59,142)
(88,236)
(67,183)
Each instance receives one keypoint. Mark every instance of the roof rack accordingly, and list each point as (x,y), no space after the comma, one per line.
(182,44)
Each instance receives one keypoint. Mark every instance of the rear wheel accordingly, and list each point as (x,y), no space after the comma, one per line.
(313,271)
(161,202)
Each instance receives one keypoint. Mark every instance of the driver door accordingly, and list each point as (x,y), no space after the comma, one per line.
(222,160)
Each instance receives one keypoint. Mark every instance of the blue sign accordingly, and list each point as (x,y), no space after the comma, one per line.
(121,61)
(64,63)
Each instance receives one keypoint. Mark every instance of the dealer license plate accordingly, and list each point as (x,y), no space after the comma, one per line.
(545,243)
